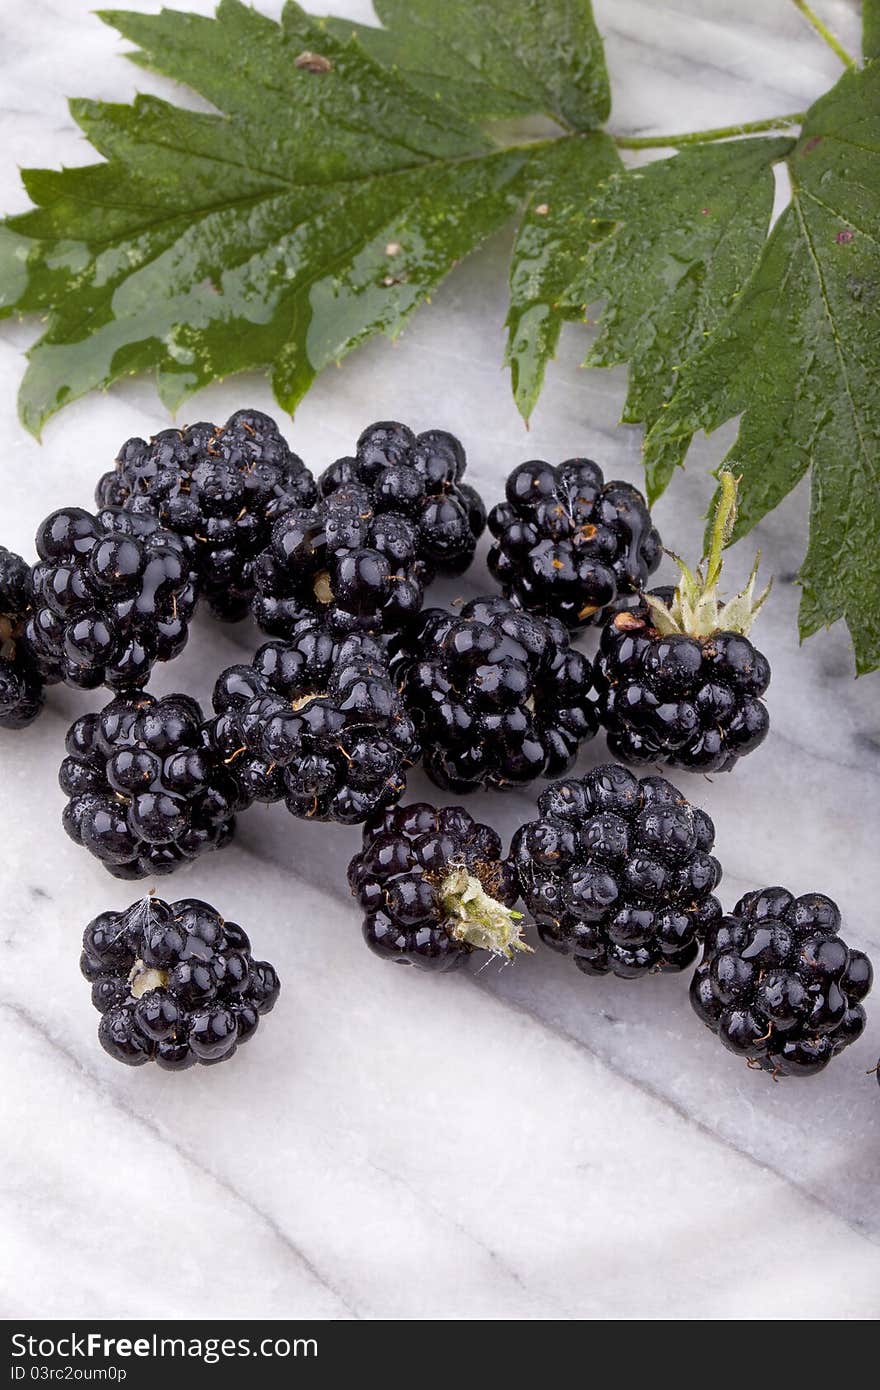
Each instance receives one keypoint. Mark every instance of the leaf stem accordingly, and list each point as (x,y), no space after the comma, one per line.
(701,137)
(823,30)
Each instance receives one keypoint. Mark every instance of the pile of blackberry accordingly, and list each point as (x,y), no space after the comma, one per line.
(317,722)
(146,792)
(389,520)
(568,544)
(219,488)
(174,983)
(499,696)
(617,872)
(778,985)
(21,690)
(111,595)
(359,684)
(435,888)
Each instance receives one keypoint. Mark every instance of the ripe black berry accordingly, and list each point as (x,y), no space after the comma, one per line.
(219,488)
(146,792)
(778,985)
(617,872)
(434,887)
(570,545)
(318,722)
(112,594)
(679,681)
(499,697)
(389,519)
(175,983)
(21,690)
(685,701)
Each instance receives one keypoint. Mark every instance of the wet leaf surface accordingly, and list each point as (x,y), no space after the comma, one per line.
(550,253)
(691,229)
(491,59)
(798,357)
(323,201)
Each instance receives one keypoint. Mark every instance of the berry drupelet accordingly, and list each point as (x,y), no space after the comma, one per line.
(175,983)
(21,690)
(317,722)
(499,697)
(112,594)
(570,545)
(435,888)
(679,681)
(778,985)
(219,488)
(146,792)
(388,521)
(617,872)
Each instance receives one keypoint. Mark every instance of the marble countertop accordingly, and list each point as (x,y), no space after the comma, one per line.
(516,1143)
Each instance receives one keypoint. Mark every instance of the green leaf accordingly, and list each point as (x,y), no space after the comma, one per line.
(319,204)
(495,58)
(549,255)
(691,229)
(341,170)
(799,357)
(871,29)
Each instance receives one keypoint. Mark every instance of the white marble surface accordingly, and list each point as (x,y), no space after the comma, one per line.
(521,1143)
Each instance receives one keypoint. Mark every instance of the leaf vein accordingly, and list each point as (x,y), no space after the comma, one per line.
(841,216)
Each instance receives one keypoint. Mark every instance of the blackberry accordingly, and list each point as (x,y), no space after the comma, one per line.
(389,519)
(175,983)
(499,697)
(318,722)
(434,887)
(617,872)
(779,986)
(679,681)
(112,594)
(219,488)
(21,690)
(568,544)
(146,792)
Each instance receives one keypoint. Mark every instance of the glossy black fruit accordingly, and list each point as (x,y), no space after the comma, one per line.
(617,872)
(175,983)
(219,488)
(318,722)
(21,689)
(389,519)
(779,986)
(146,791)
(112,594)
(688,702)
(499,697)
(679,681)
(435,888)
(568,544)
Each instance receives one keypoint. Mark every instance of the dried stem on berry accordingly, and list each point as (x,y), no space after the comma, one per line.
(478,919)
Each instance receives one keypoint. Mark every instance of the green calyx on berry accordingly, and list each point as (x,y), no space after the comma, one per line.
(476,918)
(696,609)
